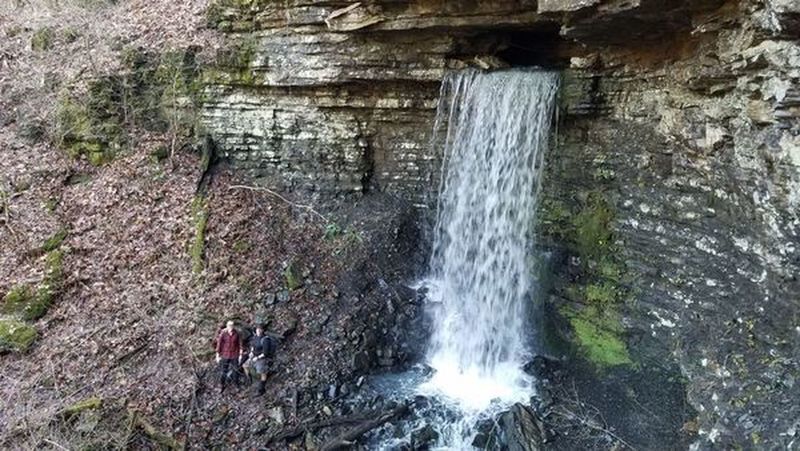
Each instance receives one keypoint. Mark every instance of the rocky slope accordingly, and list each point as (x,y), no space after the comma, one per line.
(669,221)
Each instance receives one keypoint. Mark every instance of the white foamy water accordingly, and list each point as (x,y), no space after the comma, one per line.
(480,281)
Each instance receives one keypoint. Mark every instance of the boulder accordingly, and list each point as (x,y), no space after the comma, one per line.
(523,429)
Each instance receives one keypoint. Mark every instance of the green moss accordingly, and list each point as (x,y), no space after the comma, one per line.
(79,133)
(47,291)
(17,298)
(603,293)
(157,92)
(31,304)
(15,335)
(332,230)
(200,219)
(597,330)
(598,334)
(92,403)
(592,238)
(54,241)
(290,274)
(43,39)
(554,218)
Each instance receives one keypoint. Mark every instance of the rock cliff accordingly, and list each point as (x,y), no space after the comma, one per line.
(672,192)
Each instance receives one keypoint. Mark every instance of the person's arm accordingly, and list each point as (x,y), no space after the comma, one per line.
(241,346)
(219,346)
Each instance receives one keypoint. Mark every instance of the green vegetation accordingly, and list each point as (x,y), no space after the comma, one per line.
(592,238)
(293,282)
(15,335)
(234,63)
(601,293)
(43,39)
(598,332)
(31,304)
(18,298)
(599,289)
(332,230)
(200,219)
(154,92)
(54,241)
(92,403)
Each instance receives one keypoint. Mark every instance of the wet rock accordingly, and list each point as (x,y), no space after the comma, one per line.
(523,429)
(276,414)
(486,438)
(283,296)
(421,402)
(536,367)
(424,437)
(309,442)
(386,361)
(362,361)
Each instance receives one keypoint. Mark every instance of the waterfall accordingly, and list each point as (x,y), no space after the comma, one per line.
(480,280)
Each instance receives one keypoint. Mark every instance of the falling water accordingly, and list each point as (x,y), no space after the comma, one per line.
(497,130)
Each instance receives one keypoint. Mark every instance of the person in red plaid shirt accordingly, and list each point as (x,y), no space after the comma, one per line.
(229,354)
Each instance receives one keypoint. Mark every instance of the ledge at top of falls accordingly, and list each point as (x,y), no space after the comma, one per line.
(322,42)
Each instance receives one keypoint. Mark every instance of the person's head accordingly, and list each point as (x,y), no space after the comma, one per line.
(229,326)
(259,329)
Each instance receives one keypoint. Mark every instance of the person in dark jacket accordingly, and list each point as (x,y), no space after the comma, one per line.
(261,349)
(229,354)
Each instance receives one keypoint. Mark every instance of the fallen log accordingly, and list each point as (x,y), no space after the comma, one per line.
(348,438)
(313,426)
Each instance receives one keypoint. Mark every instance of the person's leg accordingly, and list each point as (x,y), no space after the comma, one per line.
(247,371)
(262,376)
(223,373)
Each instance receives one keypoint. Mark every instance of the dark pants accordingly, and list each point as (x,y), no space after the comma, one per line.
(229,369)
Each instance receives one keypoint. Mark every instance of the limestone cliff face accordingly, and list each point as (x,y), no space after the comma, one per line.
(672,196)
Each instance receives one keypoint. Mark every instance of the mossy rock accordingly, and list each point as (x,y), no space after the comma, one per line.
(602,293)
(592,238)
(28,303)
(16,336)
(157,92)
(598,334)
(293,282)
(31,304)
(16,300)
(92,403)
(200,219)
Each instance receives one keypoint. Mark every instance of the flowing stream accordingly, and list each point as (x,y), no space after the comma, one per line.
(481,277)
